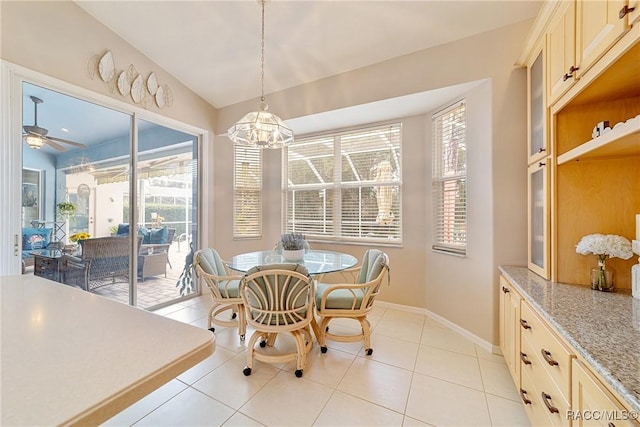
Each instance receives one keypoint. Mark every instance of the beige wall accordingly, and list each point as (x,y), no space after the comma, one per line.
(461,290)
(58,39)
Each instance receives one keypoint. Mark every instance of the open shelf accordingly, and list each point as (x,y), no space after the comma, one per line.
(622,140)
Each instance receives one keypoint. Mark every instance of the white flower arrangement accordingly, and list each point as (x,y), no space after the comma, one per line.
(603,246)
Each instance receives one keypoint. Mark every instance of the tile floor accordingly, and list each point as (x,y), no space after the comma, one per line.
(420,374)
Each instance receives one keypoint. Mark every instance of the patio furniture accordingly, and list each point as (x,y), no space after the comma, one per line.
(154,240)
(278,299)
(105,260)
(34,239)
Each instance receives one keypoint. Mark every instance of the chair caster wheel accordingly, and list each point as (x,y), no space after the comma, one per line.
(326,329)
(263,343)
(246,372)
(212,329)
(298,373)
(242,337)
(368,351)
(323,349)
(233,316)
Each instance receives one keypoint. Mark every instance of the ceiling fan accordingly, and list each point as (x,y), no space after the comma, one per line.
(36,137)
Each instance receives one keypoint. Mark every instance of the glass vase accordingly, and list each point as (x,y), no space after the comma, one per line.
(602,278)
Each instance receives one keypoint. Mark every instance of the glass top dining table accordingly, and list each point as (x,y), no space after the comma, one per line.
(316,261)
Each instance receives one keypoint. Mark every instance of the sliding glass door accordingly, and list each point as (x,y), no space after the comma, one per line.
(110,202)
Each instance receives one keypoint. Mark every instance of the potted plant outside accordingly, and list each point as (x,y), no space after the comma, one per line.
(66,209)
(293,245)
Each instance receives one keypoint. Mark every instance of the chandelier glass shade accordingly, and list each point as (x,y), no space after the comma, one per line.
(33,141)
(261,128)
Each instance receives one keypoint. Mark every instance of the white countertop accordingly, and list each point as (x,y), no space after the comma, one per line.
(73,357)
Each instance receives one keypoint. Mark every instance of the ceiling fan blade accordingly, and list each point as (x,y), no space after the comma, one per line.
(66,141)
(54,145)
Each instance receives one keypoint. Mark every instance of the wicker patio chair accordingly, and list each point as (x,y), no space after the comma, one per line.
(106,260)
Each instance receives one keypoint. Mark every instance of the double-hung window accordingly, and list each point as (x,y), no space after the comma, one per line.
(247,192)
(449,182)
(345,186)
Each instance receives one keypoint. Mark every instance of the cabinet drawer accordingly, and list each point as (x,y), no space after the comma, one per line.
(535,409)
(552,400)
(554,355)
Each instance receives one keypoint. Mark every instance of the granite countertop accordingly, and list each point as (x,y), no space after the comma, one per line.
(604,328)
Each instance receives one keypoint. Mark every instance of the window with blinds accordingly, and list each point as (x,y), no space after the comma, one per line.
(450,180)
(345,186)
(247,192)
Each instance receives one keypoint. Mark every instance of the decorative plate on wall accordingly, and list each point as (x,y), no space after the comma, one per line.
(152,84)
(160,97)
(137,89)
(106,69)
(123,84)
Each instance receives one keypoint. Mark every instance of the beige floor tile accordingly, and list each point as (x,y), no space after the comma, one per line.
(401,329)
(241,420)
(442,403)
(393,351)
(189,408)
(219,356)
(378,383)
(287,401)
(486,355)
(229,338)
(412,422)
(147,404)
(346,410)
(446,339)
(497,380)
(326,368)
(230,386)
(187,314)
(449,366)
(505,412)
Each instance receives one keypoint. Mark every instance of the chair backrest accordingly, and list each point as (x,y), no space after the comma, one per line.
(278,296)
(109,255)
(171,235)
(210,262)
(374,263)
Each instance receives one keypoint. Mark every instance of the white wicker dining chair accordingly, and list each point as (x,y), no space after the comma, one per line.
(351,300)
(278,299)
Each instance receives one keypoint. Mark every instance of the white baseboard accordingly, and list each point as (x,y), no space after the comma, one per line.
(486,345)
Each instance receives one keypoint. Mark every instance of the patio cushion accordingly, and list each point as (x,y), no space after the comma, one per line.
(146,235)
(123,229)
(159,235)
(35,238)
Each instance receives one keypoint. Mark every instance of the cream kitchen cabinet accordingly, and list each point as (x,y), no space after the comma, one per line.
(593,404)
(599,24)
(509,329)
(561,48)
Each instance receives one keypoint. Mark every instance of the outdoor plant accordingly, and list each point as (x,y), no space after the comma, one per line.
(66,209)
(292,241)
(82,235)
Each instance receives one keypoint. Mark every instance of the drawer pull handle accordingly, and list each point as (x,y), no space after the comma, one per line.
(625,10)
(611,424)
(524,324)
(547,356)
(523,394)
(505,290)
(545,399)
(525,360)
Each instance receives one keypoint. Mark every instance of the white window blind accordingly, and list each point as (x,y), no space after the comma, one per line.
(450,180)
(247,196)
(345,185)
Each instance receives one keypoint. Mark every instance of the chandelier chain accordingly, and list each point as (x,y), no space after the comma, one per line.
(262,57)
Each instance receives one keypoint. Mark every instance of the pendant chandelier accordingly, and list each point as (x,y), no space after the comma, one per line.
(261,128)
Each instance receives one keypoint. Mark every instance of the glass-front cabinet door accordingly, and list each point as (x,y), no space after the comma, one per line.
(538,232)
(537,137)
